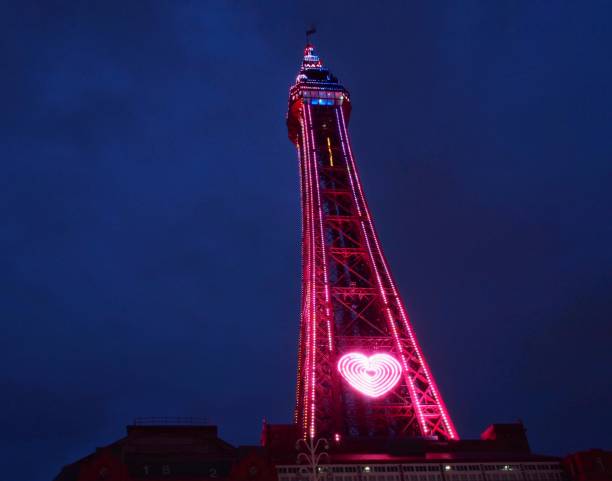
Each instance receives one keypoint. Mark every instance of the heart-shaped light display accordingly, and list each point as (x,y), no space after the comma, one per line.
(373,376)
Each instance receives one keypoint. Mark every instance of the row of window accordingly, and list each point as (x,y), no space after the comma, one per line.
(428,468)
(325,102)
(463,476)
(423,477)
(323,93)
(428,477)
(456,472)
(431,467)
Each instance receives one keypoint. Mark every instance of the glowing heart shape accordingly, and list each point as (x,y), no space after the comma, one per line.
(373,376)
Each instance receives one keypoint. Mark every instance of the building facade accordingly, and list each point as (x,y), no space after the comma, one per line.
(501,454)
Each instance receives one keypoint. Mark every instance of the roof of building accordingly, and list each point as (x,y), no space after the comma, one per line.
(195,452)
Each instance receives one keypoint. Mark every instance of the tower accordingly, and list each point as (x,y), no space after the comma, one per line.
(361,371)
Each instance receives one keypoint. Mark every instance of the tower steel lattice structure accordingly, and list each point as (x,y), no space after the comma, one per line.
(361,371)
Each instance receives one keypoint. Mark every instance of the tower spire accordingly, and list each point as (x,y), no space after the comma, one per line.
(311,60)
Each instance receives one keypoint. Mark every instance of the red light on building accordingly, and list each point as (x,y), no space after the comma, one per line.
(592,465)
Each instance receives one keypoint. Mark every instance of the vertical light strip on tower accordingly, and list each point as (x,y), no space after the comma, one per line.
(413,394)
(443,412)
(322,239)
(353,174)
(313,287)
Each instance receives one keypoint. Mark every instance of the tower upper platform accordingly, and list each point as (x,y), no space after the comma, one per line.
(316,86)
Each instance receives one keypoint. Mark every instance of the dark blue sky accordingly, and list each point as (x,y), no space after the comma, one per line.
(149,243)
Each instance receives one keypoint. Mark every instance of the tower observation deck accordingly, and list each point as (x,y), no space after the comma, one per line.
(361,372)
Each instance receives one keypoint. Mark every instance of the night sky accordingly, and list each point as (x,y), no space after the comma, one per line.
(150,225)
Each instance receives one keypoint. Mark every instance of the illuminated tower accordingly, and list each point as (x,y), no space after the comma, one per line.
(361,371)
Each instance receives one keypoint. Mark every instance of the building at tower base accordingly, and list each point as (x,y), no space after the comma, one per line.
(501,454)
(194,452)
(171,449)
